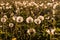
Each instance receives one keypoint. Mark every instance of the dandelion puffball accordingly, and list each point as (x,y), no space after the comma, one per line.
(37,21)
(19,19)
(11,24)
(29,19)
(41,17)
(31,31)
(3,19)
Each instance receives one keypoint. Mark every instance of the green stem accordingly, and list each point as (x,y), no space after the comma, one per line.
(30,37)
(50,36)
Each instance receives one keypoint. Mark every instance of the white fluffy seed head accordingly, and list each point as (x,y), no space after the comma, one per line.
(7,7)
(29,19)
(19,19)
(41,17)
(31,31)
(3,19)
(37,21)
(11,24)
(50,4)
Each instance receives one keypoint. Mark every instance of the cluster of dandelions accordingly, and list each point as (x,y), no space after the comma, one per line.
(7,5)
(29,19)
(32,3)
(20,19)
(36,21)
(32,31)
